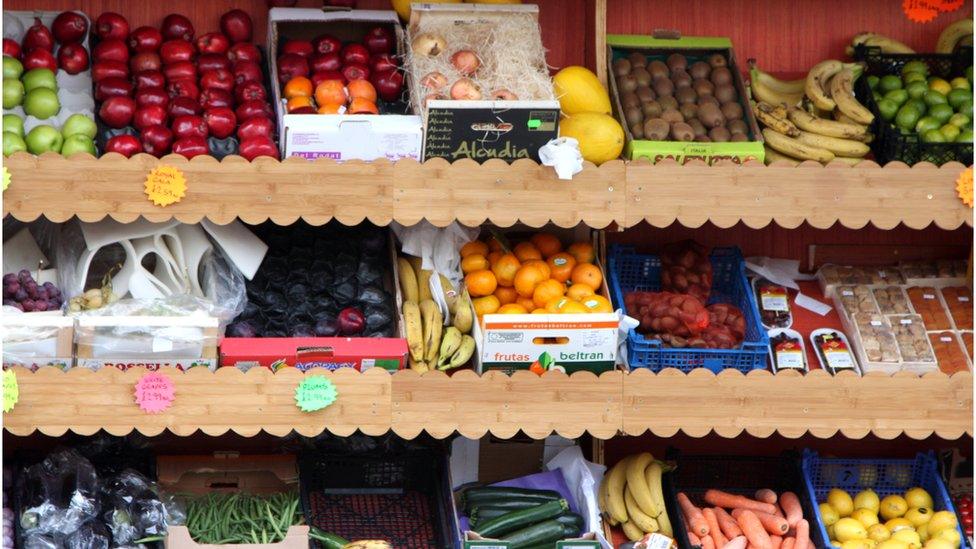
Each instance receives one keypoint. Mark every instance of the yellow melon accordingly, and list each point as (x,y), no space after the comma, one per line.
(600,136)
(579,90)
(402,7)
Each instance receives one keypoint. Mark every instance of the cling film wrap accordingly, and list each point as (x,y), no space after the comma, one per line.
(31,345)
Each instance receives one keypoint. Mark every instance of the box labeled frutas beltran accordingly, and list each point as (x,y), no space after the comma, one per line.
(392,135)
(567,342)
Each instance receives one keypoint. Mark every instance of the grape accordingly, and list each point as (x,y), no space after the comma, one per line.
(41,294)
(10,288)
(241,329)
(21,295)
(41,305)
(49,286)
(24,275)
(9,277)
(12,303)
(31,288)
(28,305)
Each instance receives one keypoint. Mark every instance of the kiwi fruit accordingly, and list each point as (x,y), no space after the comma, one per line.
(708,100)
(663,86)
(656,129)
(702,139)
(699,70)
(621,67)
(717,60)
(658,70)
(681,79)
(721,76)
(682,132)
(643,77)
(738,126)
(711,116)
(652,109)
(633,115)
(685,95)
(703,86)
(732,110)
(627,83)
(637,130)
(719,134)
(725,93)
(668,102)
(629,99)
(676,61)
(645,94)
(696,125)
(637,59)
(672,115)
(688,110)
(739,137)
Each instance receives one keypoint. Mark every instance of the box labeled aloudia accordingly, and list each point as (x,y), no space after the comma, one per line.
(568,342)
(728,131)
(482,130)
(330,353)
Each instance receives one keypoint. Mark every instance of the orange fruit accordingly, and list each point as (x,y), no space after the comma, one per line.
(526,302)
(298,86)
(589,274)
(362,106)
(547,244)
(526,279)
(556,305)
(474,263)
(485,305)
(506,295)
(505,269)
(330,91)
(546,291)
(512,309)
(475,247)
(493,257)
(481,283)
(561,266)
(361,89)
(494,245)
(526,251)
(573,308)
(539,264)
(298,102)
(540,312)
(582,251)
(332,108)
(597,304)
(578,292)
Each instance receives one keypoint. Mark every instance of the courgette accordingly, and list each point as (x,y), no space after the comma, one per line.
(515,520)
(549,531)
(328,540)
(480,496)
(481,515)
(570,531)
(500,507)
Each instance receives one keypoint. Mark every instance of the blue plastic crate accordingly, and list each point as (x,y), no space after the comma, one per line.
(884,476)
(630,271)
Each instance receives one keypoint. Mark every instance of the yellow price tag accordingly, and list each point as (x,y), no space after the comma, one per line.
(6,178)
(165,185)
(964,186)
(11,393)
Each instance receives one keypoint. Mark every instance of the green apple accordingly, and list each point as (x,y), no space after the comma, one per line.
(12,68)
(39,78)
(13,93)
(44,138)
(78,143)
(42,103)
(79,124)
(13,143)
(13,123)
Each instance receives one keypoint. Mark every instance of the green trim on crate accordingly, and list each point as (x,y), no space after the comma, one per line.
(690,42)
(681,151)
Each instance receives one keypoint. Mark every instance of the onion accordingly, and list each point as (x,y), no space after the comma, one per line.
(434,80)
(433,97)
(428,44)
(466,62)
(465,88)
(503,94)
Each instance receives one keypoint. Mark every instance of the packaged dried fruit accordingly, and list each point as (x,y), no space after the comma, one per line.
(877,342)
(951,268)
(959,301)
(925,300)
(892,300)
(786,350)
(949,352)
(880,275)
(913,344)
(919,269)
(856,299)
(833,350)
(774,303)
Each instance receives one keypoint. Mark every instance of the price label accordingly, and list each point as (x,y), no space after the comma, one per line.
(11,393)
(6,178)
(155,392)
(963,299)
(945,339)
(928,296)
(165,185)
(906,321)
(921,11)
(315,393)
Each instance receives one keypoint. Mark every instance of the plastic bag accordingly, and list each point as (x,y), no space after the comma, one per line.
(687,269)
(91,535)
(33,340)
(667,313)
(58,495)
(132,507)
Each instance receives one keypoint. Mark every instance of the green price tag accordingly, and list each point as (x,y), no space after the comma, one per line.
(534,123)
(315,393)
(10,391)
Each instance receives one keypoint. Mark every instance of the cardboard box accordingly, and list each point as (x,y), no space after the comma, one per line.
(695,49)
(182,342)
(33,340)
(331,353)
(473,540)
(484,129)
(340,136)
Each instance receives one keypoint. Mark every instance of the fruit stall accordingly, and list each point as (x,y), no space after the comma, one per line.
(372,274)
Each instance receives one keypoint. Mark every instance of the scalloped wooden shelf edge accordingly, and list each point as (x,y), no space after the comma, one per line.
(374,402)
(625,193)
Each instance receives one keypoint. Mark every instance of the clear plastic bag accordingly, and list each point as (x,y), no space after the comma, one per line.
(132,508)
(58,495)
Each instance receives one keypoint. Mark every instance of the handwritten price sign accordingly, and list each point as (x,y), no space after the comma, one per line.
(923,11)
(11,393)
(165,185)
(315,393)
(154,393)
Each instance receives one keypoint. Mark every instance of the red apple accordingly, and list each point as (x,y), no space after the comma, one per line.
(183,87)
(183,106)
(125,144)
(244,51)
(117,112)
(38,37)
(191,146)
(251,90)
(149,115)
(325,62)
(221,121)
(173,51)
(256,126)
(326,43)
(253,107)
(152,96)
(383,61)
(149,79)
(213,97)
(177,27)
(69,26)
(40,59)
(254,147)
(180,69)
(355,71)
(354,53)
(11,48)
(379,40)
(237,25)
(213,42)
(189,126)
(145,61)
(112,87)
(109,69)
(111,50)
(73,58)
(111,26)
(220,79)
(319,77)
(213,61)
(156,140)
(145,39)
(388,84)
(291,65)
(298,47)
(247,71)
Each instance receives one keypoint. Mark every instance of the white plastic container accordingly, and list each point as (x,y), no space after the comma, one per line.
(837,360)
(787,360)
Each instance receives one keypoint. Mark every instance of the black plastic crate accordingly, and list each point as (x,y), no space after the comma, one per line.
(403,497)
(889,143)
(736,475)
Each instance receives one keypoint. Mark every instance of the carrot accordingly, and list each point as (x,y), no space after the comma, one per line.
(693,516)
(753,529)
(802,534)
(779,512)
(788,543)
(728,525)
(713,529)
(738,542)
(766,495)
(777,541)
(791,506)
(693,539)
(707,542)
(726,500)
(773,524)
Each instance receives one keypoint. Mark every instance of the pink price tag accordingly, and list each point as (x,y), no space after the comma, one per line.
(154,392)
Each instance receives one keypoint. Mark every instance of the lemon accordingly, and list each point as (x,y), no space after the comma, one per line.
(866,517)
(941,521)
(878,533)
(939,85)
(893,507)
(896,524)
(892,544)
(855,544)
(830,532)
(938,543)
(847,529)
(923,532)
(828,514)
(841,502)
(949,534)
(909,536)
(918,516)
(918,497)
(867,499)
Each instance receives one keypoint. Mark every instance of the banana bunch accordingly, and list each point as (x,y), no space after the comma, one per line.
(631,496)
(815,118)
(875,40)
(957,34)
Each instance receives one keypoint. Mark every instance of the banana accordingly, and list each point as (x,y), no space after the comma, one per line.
(368,544)
(616,478)
(638,483)
(433,323)
(768,88)
(953,34)
(464,313)
(815,86)
(419,367)
(887,44)
(416,263)
(423,284)
(450,294)
(645,522)
(840,147)
(449,345)
(792,147)
(408,281)
(653,475)
(770,117)
(810,123)
(601,496)
(462,355)
(773,155)
(632,532)
(851,161)
(415,330)
(842,92)
(664,524)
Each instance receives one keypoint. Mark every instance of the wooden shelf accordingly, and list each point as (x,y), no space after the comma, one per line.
(760,403)
(617,192)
